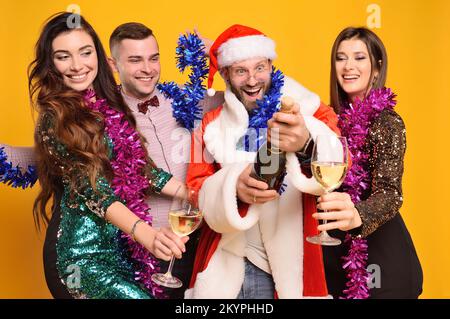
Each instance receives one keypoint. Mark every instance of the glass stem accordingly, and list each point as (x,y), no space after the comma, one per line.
(324,221)
(324,232)
(169,270)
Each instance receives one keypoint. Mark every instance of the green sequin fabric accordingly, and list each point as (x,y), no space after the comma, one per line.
(92,261)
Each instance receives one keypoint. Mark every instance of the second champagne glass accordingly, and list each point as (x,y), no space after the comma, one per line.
(184,218)
(329,165)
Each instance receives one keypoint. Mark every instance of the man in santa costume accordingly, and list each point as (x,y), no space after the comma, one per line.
(253,242)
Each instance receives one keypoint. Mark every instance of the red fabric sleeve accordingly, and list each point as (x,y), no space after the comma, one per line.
(202,166)
(326,114)
(314,282)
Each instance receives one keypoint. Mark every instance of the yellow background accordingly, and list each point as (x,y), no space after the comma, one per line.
(416,35)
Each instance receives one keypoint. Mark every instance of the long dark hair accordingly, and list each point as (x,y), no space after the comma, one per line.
(378,59)
(80,129)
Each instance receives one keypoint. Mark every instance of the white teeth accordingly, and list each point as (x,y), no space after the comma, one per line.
(351,77)
(145,79)
(78,77)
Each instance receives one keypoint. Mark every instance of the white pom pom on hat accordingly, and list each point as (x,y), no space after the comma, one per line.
(211,92)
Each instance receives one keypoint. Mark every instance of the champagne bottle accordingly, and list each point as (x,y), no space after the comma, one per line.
(270,164)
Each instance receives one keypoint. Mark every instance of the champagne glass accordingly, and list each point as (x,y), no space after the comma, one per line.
(184,218)
(329,165)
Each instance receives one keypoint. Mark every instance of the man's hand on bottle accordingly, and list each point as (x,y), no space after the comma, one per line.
(252,191)
(288,132)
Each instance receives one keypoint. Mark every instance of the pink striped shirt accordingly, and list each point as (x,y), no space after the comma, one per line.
(168,145)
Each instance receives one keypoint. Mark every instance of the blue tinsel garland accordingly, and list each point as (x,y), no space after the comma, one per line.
(266,108)
(185,100)
(258,118)
(13,176)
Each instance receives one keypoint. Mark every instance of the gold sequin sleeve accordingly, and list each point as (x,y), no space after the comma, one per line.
(96,200)
(386,145)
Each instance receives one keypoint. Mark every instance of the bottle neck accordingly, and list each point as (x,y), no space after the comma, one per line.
(272,149)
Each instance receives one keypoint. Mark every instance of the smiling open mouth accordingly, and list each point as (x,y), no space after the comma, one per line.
(253,92)
(145,78)
(77,77)
(350,77)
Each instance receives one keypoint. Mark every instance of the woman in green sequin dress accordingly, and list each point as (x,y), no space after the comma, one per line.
(84,255)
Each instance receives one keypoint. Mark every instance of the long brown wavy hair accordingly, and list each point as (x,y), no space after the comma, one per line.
(378,59)
(78,128)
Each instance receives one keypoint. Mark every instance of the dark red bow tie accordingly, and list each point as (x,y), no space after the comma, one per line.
(143,106)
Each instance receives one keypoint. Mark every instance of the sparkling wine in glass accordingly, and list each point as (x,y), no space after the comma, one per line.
(184,218)
(329,165)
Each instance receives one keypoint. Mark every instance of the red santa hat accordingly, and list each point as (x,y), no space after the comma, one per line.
(238,43)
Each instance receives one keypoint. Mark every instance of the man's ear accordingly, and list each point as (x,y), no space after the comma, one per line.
(112,64)
(224,73)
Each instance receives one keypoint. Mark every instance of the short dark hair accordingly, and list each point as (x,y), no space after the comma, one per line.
(130,30)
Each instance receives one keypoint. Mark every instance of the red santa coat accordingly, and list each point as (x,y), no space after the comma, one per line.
(297,266)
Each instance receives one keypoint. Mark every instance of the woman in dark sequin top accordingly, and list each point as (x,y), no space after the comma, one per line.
(84,252)
(359,64)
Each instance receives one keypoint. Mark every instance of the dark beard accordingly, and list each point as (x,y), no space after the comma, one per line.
(249,106)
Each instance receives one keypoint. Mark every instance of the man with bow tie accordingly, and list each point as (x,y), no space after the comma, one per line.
(135,56)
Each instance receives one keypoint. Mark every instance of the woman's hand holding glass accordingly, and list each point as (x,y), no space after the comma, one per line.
(167,244)
(184,218)
(329,165)
(340,210)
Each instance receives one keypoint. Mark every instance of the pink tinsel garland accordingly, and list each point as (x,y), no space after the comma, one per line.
(129,183)
(355,121)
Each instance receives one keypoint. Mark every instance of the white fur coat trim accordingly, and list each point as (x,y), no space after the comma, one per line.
(281,220)
(281,224)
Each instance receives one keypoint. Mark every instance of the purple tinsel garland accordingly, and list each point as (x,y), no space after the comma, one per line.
(129,183)
(355,121)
